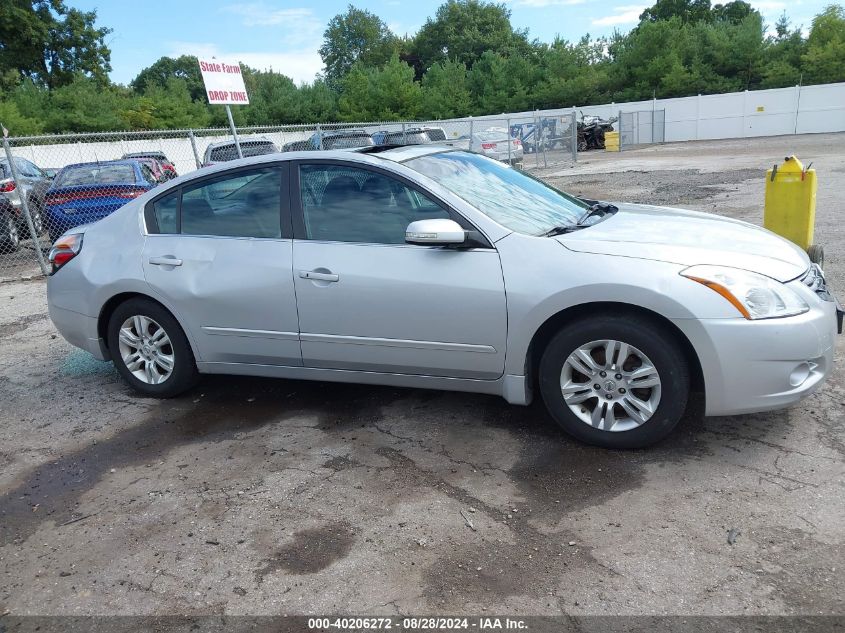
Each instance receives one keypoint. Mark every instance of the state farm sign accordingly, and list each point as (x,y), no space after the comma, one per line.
(224,83)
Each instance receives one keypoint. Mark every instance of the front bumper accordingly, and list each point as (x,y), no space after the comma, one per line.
(751,366)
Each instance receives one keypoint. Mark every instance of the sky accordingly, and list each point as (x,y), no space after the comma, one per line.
(285,35)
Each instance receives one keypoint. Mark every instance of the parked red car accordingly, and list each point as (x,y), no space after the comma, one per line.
(166,164)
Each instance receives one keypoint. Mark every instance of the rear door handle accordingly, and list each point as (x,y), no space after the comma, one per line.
(166,260)
(315,276)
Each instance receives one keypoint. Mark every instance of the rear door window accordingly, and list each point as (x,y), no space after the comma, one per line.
(244,204)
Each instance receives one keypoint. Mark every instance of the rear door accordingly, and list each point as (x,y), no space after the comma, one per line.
(219,253)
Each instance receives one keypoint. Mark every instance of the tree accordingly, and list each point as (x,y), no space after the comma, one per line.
(355,36)
(372,94)
(84,105)
(824,60)
(445,91)
(685,10)
(18,124)
(160,72)
(782,56)
(463,30)
(52,44)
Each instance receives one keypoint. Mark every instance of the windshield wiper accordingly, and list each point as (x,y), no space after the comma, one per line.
(596,209)
(560,230)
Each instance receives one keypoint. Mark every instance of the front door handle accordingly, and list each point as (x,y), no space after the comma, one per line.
(166,260)
(318,276)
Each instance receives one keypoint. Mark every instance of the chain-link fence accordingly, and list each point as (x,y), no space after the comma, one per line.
(643,127)
(51,183)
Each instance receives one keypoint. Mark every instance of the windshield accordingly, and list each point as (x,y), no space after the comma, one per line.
(508,196)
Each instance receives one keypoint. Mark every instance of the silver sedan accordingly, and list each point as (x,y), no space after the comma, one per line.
(431,267)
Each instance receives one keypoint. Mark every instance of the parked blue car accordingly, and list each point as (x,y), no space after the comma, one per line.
(87,192)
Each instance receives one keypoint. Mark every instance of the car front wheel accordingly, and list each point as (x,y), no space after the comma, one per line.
(10,239)
(617,382)
(150,350)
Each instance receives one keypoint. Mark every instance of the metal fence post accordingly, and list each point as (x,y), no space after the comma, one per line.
(510,141)
(621,136)
(25,207)
(319,137)
(471,126)
(194,148)
(536,140)
(234,132)
(404,134)
(574,135)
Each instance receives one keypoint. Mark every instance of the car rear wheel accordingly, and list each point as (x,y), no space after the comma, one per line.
(10,238)
(150,350)
(617,382)
(37,221)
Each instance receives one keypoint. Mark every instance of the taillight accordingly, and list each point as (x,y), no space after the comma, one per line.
(517,142)
(130,194)
(92,194)
(488,146)
(6,187)
(65,249)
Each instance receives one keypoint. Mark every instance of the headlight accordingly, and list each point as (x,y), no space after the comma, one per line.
(755,296)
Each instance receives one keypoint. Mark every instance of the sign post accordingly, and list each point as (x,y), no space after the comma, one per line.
(224,85)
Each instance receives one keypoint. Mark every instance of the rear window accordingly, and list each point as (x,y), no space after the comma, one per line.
(95,175)
(248,148)
(436,135)
(493,135)
(346,141)
(409,138)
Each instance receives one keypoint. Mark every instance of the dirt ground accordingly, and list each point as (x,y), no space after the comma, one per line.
(253,496)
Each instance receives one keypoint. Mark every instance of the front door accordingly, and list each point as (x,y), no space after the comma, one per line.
(370,302)
(222,260)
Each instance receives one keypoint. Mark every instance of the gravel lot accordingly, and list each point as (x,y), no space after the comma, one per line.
(253,496)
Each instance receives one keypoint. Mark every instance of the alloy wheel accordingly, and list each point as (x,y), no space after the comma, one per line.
(13,236)
(610,385)
(146,349)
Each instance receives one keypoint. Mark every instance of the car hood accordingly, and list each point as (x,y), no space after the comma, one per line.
(689,237)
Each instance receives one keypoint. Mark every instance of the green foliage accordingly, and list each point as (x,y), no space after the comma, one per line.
(380,94)
(48,42)
(467,59)
(18,124)
(824,60)
(463,30)
(185,67)
(445,91)
(356,36)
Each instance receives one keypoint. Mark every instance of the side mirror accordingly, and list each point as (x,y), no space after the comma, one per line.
(436,231)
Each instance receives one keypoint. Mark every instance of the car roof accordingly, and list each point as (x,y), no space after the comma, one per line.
(365,155)
(242,141)
(123,161)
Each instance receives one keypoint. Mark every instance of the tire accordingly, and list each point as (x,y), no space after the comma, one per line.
(37,221)
(10,237)
(816,255)
(148,375)
(652,355)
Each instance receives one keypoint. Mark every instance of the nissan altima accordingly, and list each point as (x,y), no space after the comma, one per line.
(425,266)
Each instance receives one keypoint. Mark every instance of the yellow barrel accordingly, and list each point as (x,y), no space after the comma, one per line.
(790,208)
(611,141)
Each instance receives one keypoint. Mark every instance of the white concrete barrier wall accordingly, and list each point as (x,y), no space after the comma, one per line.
(799,109)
